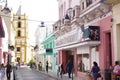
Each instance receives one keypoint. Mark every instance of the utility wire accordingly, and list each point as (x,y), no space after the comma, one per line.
(30,19)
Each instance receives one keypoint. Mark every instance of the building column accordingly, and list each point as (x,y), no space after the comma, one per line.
(75,61)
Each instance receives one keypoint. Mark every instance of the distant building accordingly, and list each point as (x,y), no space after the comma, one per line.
(50,53)
(20,23)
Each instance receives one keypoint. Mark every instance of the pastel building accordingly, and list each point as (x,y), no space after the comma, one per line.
(50,53)
(84,34)
(20,24)
(115,25)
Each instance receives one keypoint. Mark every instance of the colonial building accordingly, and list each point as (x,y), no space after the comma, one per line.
(84,34)
(50,53)
(115,25)
(21,36)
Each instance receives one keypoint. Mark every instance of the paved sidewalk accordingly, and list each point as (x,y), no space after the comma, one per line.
(55,75)
(50,74)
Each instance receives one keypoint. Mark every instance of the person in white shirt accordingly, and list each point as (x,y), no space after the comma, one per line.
(116,69)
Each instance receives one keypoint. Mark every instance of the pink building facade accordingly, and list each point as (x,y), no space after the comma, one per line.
(84,34)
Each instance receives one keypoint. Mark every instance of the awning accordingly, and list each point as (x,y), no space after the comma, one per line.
(87,43)
(48,53)
(2,33)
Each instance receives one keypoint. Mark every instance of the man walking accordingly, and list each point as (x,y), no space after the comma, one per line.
(8,71)
(69,68)
(47,66)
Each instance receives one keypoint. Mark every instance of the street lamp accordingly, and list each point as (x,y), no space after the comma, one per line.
(42,24)
(6,10)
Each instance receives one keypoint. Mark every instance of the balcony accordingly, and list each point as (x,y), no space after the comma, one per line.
(97,9)
(86,35)
(91,33)
(111,1)
(56,28)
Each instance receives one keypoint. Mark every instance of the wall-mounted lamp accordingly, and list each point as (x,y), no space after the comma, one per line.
(6,10)
(111,19)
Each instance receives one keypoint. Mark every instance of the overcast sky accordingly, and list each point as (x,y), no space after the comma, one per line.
(36,10)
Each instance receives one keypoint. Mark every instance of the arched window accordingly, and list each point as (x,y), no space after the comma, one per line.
(19,33)
(19,24)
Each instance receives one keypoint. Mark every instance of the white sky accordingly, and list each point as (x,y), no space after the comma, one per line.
(38,10)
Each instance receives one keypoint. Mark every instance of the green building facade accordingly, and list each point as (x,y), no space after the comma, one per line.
(50,54)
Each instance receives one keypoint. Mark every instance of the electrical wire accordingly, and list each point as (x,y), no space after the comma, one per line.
(29,19)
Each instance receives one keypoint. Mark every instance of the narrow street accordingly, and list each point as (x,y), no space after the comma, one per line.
(25,73)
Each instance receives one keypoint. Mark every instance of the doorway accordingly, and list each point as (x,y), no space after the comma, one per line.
(70,56)
(108,50)
(108,56)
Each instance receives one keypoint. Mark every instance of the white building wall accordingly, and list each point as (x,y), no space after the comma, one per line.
(66,4)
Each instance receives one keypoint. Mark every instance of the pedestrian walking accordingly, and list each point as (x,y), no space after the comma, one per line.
(40,66)
(8,70)
(62,71)
(95,71)
(19,64)
(47,66)
(2,72)
(69,68)
(116,70)
(34,65)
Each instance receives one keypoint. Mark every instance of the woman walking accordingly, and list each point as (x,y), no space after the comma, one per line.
(95,70)
(2,72)
(116,70)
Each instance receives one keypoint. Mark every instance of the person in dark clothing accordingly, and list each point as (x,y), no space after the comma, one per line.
(62,71)
(8,71)
(95,70)
(47,66)
(69,68)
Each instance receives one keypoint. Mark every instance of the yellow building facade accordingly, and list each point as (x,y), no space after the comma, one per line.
(20,23)
(116,26)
